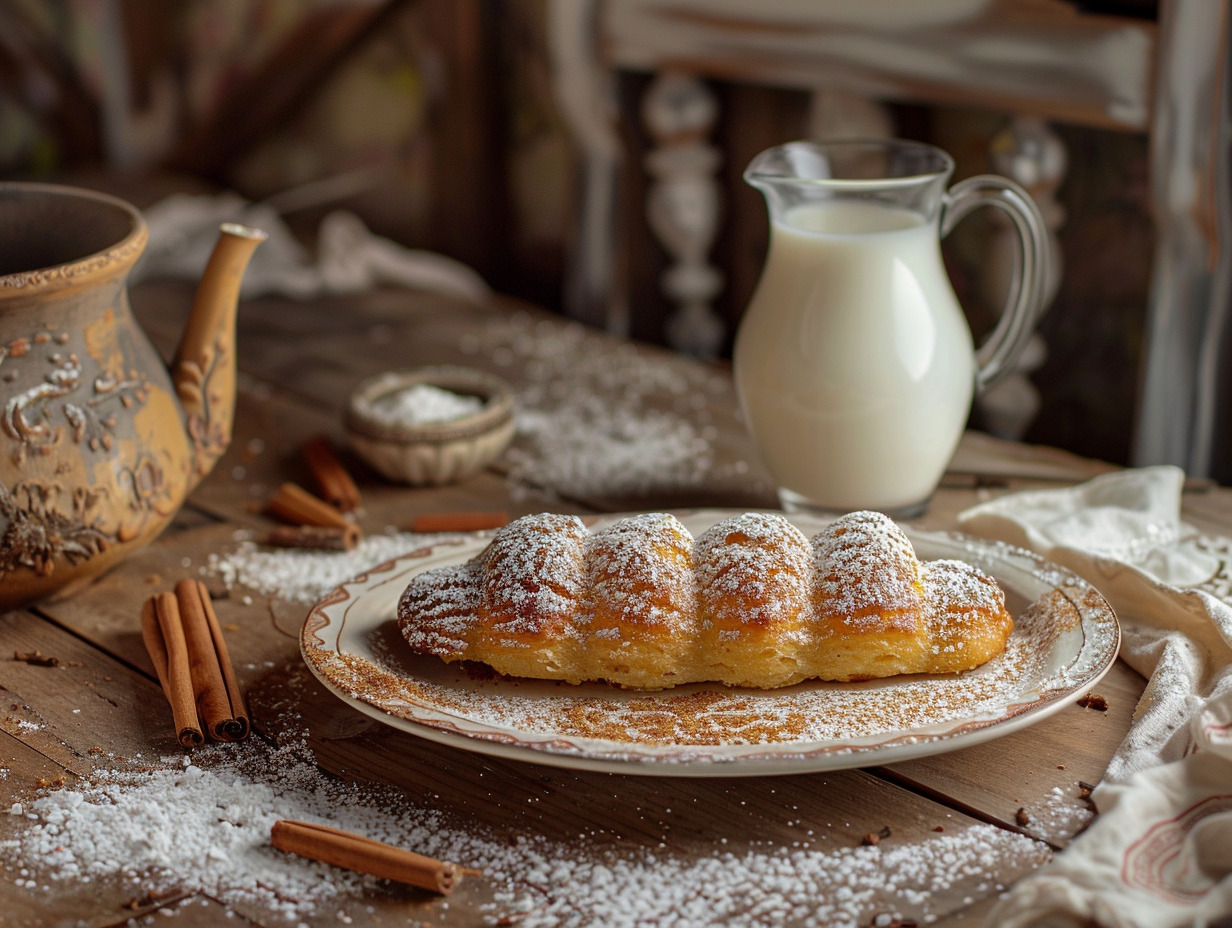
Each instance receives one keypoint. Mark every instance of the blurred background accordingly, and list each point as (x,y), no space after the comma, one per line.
(586,156)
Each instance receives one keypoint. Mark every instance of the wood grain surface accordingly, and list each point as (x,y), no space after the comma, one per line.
(101,703)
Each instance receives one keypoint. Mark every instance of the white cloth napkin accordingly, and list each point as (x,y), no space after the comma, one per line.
(349,258)
(1160,851)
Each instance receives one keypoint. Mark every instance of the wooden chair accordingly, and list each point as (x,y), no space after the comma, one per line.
(1035,60)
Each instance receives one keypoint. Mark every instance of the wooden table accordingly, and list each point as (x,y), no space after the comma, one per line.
(102,703)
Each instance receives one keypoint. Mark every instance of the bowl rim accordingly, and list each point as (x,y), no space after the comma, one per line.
(497,409)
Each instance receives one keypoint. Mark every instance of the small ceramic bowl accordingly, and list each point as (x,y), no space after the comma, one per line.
(383,424)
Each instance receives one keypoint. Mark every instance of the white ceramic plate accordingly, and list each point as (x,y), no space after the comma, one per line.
(1065,638)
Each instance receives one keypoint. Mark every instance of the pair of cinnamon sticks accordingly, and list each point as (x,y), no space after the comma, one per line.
(185,642)
(322,522)
(364,855)
(317,521)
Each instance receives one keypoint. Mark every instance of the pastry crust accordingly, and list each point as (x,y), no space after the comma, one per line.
(751,602)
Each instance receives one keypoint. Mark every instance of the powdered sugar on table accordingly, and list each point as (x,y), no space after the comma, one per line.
(203,826)
(596,421)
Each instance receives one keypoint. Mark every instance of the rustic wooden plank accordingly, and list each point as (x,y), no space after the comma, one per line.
(261,632)
(308,356)
(193,911)
(87,708)
(109,902)
(1209,511)
(972,916)
(22,767)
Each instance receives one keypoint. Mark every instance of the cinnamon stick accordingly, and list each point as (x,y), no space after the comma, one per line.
(185,642)
(220,706)
(292,503)
(363,855)
(458,521)
(331,477)
(164,639)
(319,537)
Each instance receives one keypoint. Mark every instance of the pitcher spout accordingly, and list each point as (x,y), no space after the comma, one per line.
(204,367)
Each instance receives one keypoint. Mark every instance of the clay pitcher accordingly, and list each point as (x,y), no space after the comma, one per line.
(99,443)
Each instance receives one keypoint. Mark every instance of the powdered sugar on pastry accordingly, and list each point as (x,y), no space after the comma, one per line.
(959,599)
(752,568)
(753,572)
(642,608)
(752,602)
(867,572)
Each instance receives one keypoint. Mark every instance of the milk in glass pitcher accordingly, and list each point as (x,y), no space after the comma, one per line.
(854,362)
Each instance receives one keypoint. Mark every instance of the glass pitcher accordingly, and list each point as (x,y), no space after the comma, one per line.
(854,363)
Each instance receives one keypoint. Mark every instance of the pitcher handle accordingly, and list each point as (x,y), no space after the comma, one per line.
(1025,302)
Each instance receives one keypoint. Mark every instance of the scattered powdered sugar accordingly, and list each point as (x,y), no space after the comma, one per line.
(584,447)
(779,886)
(868,572)
(1059,816)
(203,826)
(594,419)
(424,403)
(306,576)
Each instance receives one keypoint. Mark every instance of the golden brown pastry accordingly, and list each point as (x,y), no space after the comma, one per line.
(751,602)
(961,599)
(640,603)
(868,600)
(531,593)
(753,576)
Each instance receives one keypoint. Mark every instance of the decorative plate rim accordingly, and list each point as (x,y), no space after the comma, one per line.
(327,619)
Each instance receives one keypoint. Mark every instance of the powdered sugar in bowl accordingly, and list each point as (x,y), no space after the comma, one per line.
(430,425)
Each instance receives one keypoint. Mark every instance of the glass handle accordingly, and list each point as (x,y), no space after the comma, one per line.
(1024,305)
